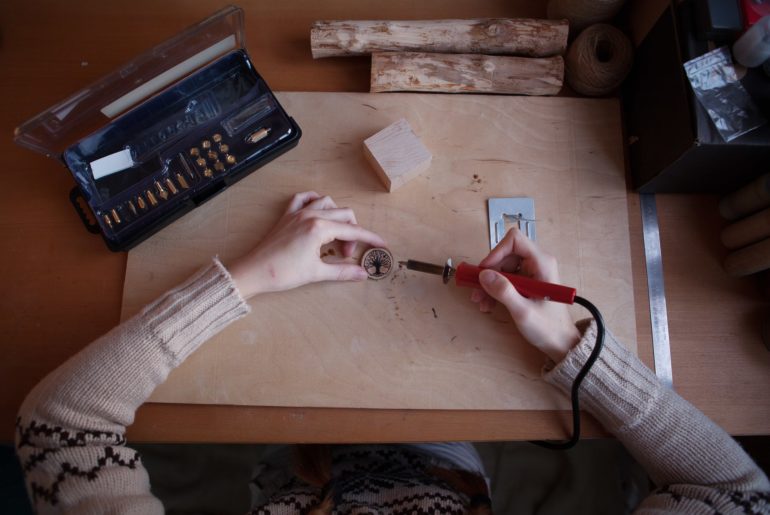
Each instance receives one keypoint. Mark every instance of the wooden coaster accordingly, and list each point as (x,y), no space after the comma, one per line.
(377,262)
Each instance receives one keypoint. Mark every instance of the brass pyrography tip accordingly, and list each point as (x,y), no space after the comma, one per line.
(258,135)
(161,190)
(446,271)
(151,198)
(170,185)
(419,266)
(182,181)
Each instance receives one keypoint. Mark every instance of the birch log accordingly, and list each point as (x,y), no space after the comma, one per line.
(466,73)
(504,36)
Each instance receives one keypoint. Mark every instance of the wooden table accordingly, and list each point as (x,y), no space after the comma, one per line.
(62,287)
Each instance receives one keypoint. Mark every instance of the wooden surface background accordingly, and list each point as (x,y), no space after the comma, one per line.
(407,341)
(62,288)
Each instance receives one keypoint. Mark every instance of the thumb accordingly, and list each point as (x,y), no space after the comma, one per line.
(501,289)
(343,272)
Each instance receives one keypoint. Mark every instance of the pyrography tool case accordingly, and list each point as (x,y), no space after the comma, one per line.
(168,131)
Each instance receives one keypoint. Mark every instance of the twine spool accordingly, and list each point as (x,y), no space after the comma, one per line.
(582,13)
(598,60)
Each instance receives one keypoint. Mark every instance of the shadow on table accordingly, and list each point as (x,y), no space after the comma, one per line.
(596,477)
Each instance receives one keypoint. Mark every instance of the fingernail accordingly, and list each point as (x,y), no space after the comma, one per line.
(361,275)
(487,277)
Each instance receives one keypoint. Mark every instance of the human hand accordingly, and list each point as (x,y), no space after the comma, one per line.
(290,255)
(546,325)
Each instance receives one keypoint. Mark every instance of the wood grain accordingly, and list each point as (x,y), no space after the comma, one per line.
(408,341)
(724,373)
(466,73)
(526,37)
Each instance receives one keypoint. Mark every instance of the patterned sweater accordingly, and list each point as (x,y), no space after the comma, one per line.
(70,428)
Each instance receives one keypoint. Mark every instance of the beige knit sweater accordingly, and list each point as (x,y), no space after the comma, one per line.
(70,428)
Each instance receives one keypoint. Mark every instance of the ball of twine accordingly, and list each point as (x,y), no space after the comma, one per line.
(582,13)
(598,60)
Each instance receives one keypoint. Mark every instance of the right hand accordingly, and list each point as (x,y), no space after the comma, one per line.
(546,325)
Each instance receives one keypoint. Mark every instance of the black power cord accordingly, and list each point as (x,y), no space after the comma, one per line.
(568,444)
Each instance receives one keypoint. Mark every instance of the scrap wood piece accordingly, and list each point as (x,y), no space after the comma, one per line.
(466,73)
(506,36)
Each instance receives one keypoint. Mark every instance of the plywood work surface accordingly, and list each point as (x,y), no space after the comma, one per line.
(407,341)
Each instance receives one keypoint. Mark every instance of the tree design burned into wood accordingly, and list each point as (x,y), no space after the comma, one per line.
(377,262)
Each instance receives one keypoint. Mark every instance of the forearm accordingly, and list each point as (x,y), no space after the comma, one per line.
(674,441)
(77,415)
(101,387)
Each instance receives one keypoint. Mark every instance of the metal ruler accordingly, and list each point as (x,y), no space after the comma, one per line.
(661,348)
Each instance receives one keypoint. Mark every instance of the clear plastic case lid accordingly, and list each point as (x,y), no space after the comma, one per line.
(58,127)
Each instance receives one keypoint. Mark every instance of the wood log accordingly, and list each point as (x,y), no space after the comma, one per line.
(748,260)
(497,36)
(466,73)
(747,231)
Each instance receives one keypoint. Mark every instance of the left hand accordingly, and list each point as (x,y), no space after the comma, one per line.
(290,255)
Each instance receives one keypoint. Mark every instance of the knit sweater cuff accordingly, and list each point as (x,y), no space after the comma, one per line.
(619,390)
(200,307)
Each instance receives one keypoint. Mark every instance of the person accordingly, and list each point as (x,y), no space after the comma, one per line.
(71,426)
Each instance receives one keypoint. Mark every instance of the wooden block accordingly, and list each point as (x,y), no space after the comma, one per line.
(397,154)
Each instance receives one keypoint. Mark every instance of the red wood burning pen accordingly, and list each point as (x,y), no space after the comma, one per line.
(467,276)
